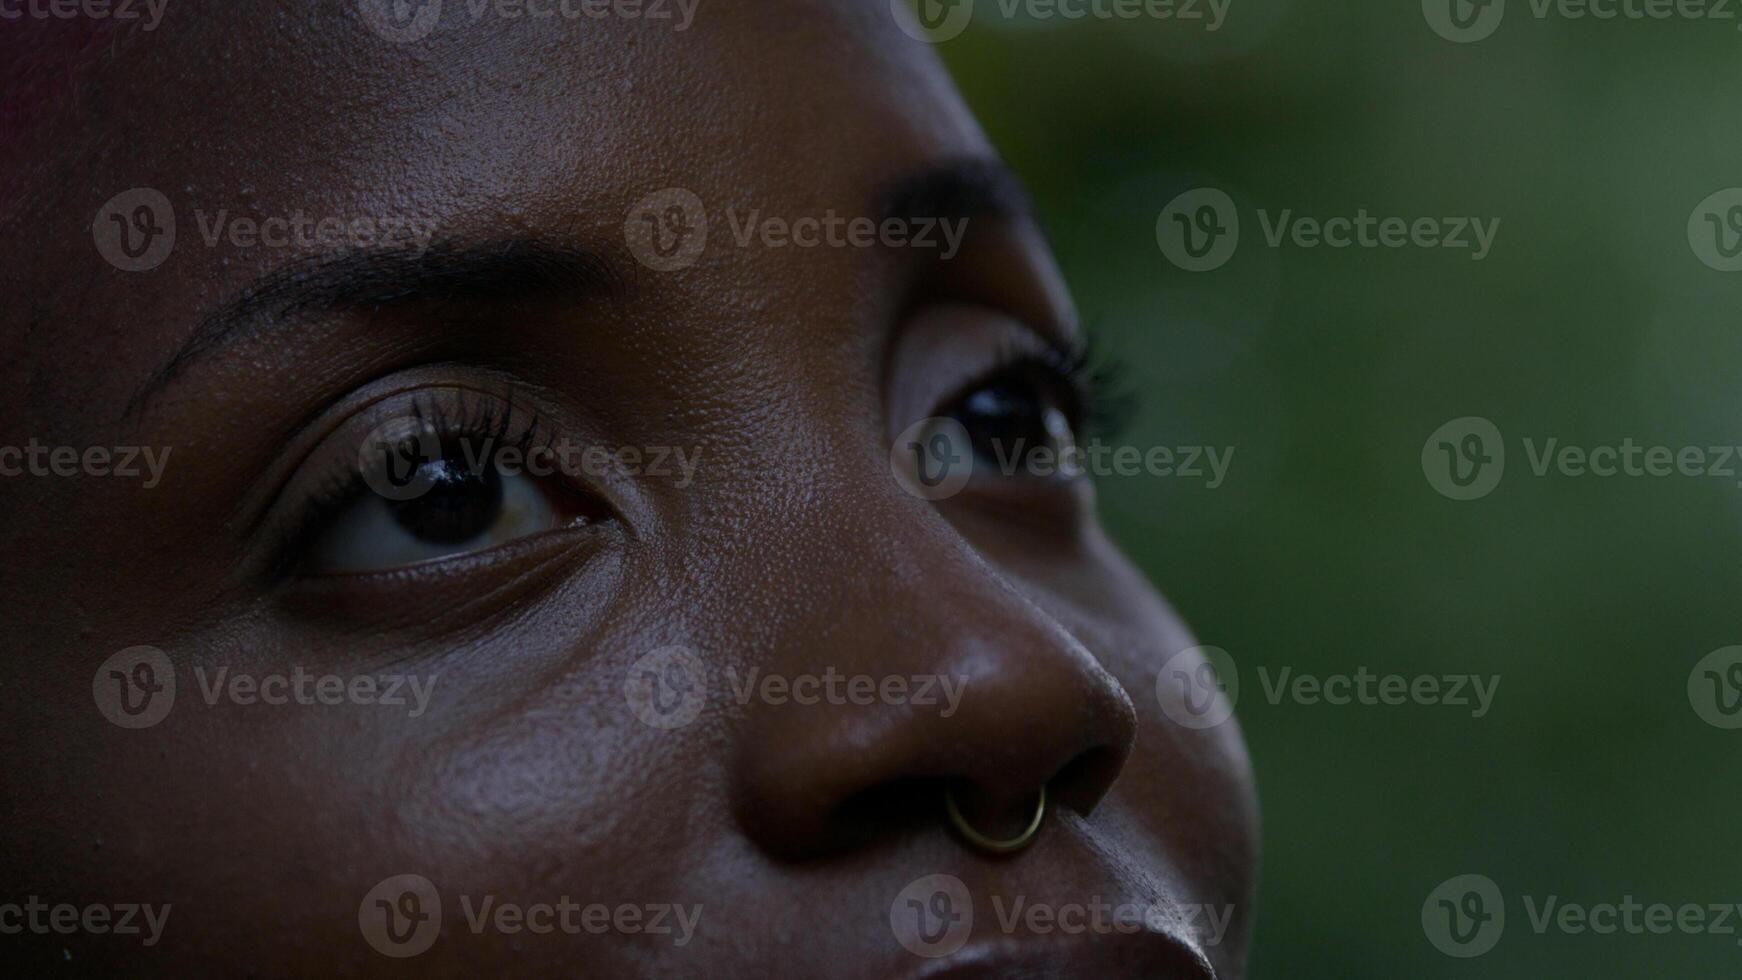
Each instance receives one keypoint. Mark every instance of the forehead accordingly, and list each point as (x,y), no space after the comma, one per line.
(488,89)
(315,94)
(493,120)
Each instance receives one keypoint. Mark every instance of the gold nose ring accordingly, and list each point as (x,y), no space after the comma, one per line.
(988,844)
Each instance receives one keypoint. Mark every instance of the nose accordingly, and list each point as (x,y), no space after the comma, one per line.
(944,679)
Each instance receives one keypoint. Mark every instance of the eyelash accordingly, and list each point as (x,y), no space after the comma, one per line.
(1099,405)
(455,420)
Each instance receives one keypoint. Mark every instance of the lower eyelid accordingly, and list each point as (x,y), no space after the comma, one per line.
(440,598)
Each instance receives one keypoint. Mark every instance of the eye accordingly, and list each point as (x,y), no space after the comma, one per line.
(438,506)
(1022,420)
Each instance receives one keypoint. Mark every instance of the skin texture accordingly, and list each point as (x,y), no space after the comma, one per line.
(794,550)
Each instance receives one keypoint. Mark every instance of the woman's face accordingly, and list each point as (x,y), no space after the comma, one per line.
(533,497)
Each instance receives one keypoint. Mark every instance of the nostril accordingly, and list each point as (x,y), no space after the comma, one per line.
(989,819)
(1081,783)
(893,810)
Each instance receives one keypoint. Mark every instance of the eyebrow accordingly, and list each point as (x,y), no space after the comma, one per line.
(511,270)
(969,187)
(516,269)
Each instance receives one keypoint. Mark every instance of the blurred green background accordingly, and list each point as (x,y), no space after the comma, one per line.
(1327,549)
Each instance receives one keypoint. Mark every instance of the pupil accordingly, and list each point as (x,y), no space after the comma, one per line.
(460,505)
(1004,421)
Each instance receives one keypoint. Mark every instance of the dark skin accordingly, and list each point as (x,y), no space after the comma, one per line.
(795,549)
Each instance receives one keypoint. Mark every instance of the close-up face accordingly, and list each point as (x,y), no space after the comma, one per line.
(603,505)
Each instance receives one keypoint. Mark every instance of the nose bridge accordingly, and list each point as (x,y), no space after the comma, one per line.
(920,665)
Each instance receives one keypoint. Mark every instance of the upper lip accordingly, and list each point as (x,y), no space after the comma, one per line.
(1145,954)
